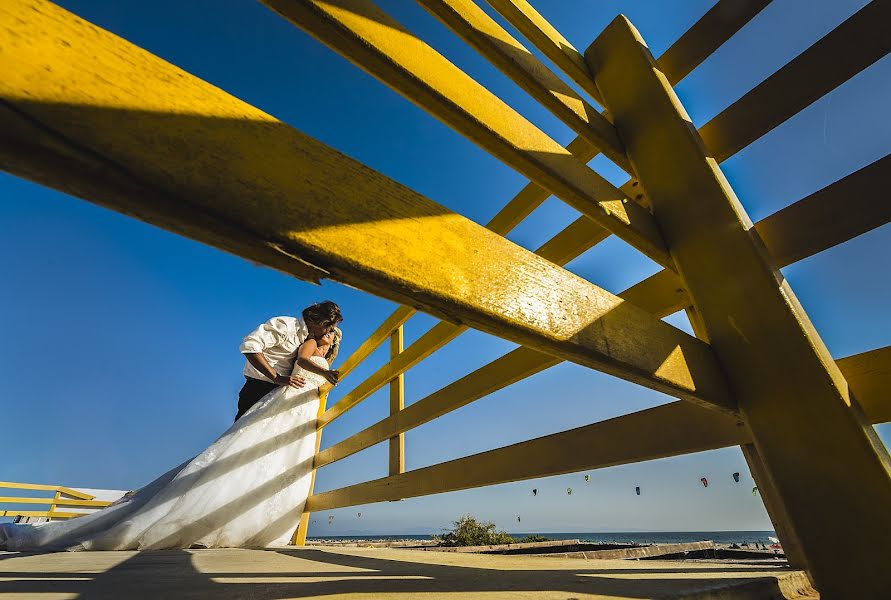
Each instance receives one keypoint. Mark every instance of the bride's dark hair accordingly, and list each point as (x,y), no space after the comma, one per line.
(324,313)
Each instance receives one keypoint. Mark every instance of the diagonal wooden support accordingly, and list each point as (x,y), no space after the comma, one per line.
(546,38)
(368,37)
(812,435)
(100,118)
(491,40)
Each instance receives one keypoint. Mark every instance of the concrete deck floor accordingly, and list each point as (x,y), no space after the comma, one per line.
(379,573)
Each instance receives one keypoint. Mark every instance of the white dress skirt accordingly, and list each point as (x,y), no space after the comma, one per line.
(247,489)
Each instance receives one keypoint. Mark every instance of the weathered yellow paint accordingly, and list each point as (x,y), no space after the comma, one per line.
(369,38)
(491,40)
(655,433)
(548,40)
(824,219)
(41,513)
(397,403)
(186,148)
(814,441)
(682,57)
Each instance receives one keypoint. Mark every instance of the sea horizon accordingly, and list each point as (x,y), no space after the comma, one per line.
(657,537)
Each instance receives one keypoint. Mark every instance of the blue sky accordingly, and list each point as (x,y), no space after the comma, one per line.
(121,357)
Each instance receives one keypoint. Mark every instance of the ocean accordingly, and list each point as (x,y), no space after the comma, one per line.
(643,537)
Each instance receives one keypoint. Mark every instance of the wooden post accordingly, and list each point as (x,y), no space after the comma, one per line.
(829,468)
(397,403)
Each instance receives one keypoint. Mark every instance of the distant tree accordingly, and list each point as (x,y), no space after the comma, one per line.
(468,531)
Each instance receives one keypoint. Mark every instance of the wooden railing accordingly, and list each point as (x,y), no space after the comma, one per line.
(64,497)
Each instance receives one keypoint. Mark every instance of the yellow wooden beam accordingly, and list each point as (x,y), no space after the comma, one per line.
(839,212)
(826,218)
(548,40)
(708,34)
(793,397)
(397,403)
(41,513)
(655,433)
(845,51)
(187,148)
(491,40)
(379,45)
(54,501)
(868,375)
(685,54)
(823,219)
(50,488)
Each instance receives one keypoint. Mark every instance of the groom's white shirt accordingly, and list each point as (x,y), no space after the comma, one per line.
(278,340)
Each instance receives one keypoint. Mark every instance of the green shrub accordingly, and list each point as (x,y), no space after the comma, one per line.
(468,531)
(533,538)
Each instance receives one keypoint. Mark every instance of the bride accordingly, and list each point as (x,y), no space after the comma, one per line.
(248,488)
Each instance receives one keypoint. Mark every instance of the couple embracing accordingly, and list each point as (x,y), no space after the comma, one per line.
(249,487)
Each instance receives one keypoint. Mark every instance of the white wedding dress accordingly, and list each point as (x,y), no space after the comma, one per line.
(247,489)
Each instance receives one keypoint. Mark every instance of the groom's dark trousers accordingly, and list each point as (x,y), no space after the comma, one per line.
(250,394)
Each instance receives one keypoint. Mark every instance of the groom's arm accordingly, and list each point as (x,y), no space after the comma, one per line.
(259,362)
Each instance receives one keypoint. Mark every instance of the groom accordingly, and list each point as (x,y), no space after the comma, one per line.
(271,349)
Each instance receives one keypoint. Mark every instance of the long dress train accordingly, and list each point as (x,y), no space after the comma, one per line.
(247,489)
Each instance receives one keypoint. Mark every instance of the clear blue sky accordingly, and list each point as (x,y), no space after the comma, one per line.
(121,354)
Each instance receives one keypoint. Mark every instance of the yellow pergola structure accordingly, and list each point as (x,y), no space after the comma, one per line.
(90,114)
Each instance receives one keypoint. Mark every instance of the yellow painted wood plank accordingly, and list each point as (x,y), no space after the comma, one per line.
(845,51)
(826,218)
(839,212)
(683,56)
(491,40)
(708,34)
(51,488)
(379,45)
(655,433)
(791,394)
(548,40)
(397,403)
(823,219)
(869,376)
(187,148)
(40,513)
(53,501)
